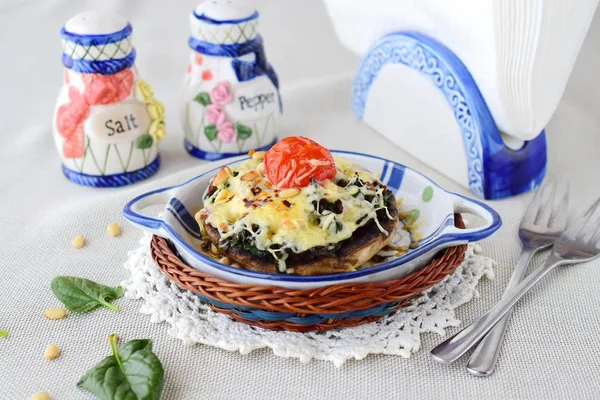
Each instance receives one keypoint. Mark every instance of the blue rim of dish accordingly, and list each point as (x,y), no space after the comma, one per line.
(448,238)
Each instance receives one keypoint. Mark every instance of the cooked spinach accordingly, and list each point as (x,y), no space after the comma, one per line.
(211,191)
(245,241)
(335,207)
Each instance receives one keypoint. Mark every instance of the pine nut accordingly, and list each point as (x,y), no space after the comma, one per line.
(55,313)
(222,176)
(258,155)
(201,227)
(225,260)
(223,195)
(39,396)
(51,352)
(353,190)
(78,241)
(260,168)
(201,215)
(249,176)
(288,224)
(287,193)
(113,229)
(214,249)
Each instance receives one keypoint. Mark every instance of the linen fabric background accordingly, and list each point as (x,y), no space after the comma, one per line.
(551,348)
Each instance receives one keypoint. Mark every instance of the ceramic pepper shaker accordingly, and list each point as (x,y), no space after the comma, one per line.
(231,100)
(107,123)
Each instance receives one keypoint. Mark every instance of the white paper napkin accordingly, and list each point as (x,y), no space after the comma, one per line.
(520,52)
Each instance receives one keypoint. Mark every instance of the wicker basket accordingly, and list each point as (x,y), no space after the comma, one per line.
(321,309)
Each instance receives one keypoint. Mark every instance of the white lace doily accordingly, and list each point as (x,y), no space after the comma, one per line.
(399,334)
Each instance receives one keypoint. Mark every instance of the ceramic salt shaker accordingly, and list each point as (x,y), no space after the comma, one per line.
(107,123)
(231,99)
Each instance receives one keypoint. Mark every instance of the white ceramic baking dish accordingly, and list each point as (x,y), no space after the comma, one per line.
(436,208)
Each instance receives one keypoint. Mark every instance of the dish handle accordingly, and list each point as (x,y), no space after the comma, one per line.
(489,215)
(133,214)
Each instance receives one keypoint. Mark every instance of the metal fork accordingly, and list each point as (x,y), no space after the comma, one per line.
(544,221)
(575,246)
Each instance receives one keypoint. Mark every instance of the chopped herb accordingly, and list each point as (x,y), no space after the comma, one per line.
(244,240)
(336,207)
(211,191)
(4,334)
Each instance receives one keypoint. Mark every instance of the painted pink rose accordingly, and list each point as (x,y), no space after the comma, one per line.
(221,94)
(226,132)
(215,114)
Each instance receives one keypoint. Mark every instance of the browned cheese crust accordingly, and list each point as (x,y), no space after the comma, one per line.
(365,242)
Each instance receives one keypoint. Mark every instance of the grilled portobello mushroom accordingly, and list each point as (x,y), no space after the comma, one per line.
(345,256)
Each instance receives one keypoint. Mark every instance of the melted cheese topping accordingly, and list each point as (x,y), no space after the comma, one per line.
(279,220)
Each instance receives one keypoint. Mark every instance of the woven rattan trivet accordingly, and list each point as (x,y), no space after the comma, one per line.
(193,322)
(276,308)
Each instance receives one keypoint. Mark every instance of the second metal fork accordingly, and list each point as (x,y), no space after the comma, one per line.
(544,221)
(578,244)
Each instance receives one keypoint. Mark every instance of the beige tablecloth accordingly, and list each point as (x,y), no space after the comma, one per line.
(551,349)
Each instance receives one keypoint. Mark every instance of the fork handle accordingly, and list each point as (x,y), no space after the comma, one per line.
(453,348)
(484,358)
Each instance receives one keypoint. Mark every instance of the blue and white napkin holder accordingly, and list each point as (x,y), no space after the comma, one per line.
(420,95)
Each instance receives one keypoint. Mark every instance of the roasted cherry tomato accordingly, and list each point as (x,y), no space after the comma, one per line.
(293,161)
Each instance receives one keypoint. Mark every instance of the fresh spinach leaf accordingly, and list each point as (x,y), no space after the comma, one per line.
(132,372)
(83,295)
(4,334)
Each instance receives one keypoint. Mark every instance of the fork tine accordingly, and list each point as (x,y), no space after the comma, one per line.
(597,244)
(533,208)
(591,231)
(547,201)
(591,210)
(561,210)
(581,222)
